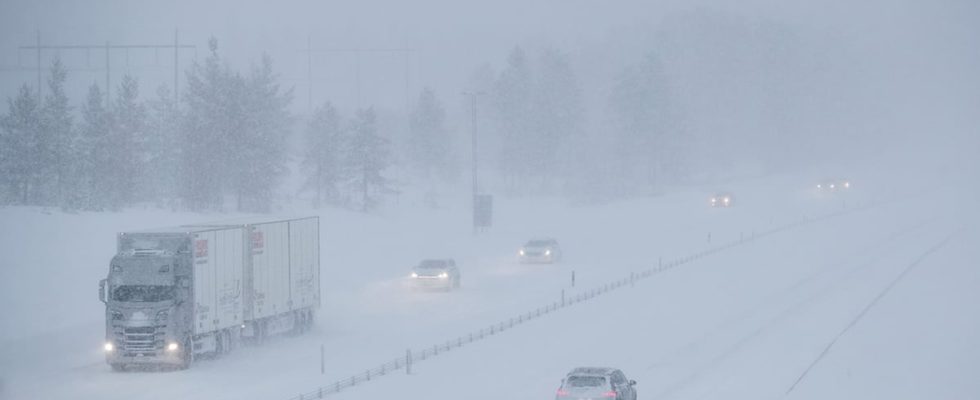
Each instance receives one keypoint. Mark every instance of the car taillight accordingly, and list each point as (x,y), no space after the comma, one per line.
(609,394)
(562,392)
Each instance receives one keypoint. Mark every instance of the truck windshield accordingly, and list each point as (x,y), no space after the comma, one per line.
(143,293)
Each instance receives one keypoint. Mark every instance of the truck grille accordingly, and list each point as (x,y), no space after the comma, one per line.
(144,340)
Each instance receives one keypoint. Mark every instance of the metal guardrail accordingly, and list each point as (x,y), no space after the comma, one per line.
(411,357)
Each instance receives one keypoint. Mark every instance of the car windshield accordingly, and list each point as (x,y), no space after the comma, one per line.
(432,264)
(538,243)
(585,381)
(143,293)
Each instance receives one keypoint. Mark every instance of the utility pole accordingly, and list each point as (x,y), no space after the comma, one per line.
(473,142)
(38,66)
(309,76)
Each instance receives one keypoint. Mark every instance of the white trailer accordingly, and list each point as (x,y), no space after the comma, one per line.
(174,293)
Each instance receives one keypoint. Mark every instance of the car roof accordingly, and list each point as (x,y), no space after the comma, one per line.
(592,371)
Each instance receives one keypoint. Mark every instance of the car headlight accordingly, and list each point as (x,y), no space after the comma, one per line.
(172,346)
(726,199)
(547,252)
(521,252)
(109,347)
(714,200)
(444,275)
(415,274)
(831,186)
(847,184)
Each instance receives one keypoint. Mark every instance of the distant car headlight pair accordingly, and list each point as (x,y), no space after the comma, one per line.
(443,275)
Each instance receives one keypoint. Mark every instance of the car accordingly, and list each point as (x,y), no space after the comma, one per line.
(596,383)
(544,251)
(436,274)
(833,185)
(722,199)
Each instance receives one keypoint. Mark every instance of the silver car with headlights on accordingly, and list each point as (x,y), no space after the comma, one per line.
(544,251)
(723,199)
(436,274)
(596,384)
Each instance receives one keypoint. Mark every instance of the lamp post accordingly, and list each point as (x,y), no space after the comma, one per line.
(475,160)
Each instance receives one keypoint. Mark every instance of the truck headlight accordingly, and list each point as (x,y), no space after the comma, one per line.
(521,252)
(547,252)
(109,347)
(415,274)
(444,275)
(172,346)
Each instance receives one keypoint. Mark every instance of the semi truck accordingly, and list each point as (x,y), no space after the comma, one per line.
(173,294)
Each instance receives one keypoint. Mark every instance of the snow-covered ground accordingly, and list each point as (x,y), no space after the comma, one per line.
(743,323)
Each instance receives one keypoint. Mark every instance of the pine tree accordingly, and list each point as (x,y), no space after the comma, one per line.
(325,143)
(557,113)
(20,155)
(260,141)
(639,107)
(211,105)
(367,158)
(59,136)
(127,141)
(94,149)
(430,146)
(162,145)
(512,103)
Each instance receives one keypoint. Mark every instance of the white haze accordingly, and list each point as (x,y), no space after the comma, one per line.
(640,111)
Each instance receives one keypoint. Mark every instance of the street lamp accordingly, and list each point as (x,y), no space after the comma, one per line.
(473,96)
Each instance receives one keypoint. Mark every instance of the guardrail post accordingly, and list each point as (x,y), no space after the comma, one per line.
(573,278)
(563,297)
(322,362)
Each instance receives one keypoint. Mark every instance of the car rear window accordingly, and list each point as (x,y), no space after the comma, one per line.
(585,381)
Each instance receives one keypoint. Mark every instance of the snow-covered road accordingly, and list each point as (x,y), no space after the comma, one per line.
(743,323)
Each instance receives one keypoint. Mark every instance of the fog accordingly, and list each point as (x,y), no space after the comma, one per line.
(752,199)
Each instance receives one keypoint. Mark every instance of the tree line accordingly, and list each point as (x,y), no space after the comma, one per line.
(224,145)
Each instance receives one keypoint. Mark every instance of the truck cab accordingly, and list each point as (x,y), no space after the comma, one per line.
(145,293)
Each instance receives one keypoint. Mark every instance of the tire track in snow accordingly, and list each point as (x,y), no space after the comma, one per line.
(876,252)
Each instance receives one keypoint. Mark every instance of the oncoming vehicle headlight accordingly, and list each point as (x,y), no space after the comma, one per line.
(547,252)
(172,346)
(109,347)
(443,275)
(727,199)
(521,252)
(415,274)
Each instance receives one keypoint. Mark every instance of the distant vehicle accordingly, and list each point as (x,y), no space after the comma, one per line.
(436,274)
(723,199)
(540,251)
(175,293)
(833,185)
(595,384)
